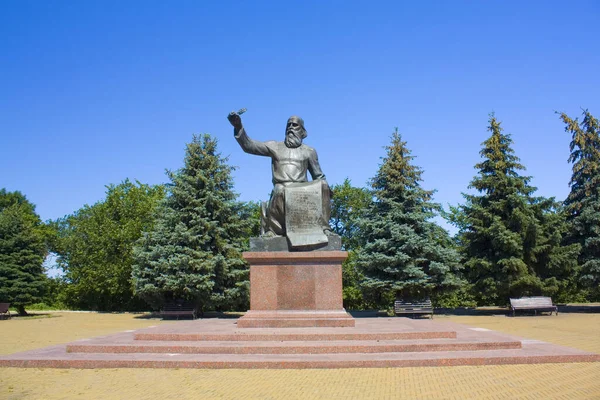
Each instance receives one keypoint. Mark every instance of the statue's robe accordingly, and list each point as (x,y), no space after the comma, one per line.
(288,165)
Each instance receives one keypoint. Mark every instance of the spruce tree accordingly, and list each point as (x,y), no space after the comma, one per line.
(22,251)
(553,261)
(510,239)
(403,254)
(193,252)
(583,202)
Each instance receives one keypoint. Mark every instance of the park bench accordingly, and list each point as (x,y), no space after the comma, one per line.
(4,310)
(413,307)
(177,309)
(538,303)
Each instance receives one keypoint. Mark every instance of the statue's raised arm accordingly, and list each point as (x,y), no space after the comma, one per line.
(246,143)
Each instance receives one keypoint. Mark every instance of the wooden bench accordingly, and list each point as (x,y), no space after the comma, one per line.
(4,310)
(177,309)
(538,303)
(413,307)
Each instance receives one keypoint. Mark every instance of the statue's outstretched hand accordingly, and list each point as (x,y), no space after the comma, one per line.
(235,120)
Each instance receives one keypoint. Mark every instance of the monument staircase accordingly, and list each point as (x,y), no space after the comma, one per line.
(372,342)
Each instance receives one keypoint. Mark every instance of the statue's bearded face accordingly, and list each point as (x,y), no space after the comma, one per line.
(294,132)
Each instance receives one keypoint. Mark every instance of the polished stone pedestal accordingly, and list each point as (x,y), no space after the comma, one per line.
(296,289)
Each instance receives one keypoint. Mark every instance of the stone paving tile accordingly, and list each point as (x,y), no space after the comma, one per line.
(580,331)
(28,334)
(547,381)
(556,381)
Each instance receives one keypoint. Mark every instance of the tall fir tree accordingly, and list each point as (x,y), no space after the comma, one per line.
(510,239)
(403,253)
(22,251)
(194,251)
(552,260)
(583,202)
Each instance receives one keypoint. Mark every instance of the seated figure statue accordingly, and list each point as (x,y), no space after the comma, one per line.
(290,162)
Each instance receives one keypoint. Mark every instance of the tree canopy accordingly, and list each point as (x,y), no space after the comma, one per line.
(583,202)
(95,247)
(508,237)
(22,251)
(193,252)
(348,203)
(402,252)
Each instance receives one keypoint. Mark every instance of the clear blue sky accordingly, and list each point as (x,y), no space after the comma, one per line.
(93,92)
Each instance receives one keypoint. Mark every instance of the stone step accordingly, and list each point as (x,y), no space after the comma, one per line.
(530,353)
(289,348)
(296,319)
(365,329)
(296,322)
(271,347)
(276,336)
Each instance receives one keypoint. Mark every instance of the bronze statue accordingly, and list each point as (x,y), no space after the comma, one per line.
(290,161)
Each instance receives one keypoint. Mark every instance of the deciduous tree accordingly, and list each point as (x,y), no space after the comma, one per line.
(95,247)
(348,204)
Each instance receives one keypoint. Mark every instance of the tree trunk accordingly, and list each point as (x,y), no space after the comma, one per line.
(21,310)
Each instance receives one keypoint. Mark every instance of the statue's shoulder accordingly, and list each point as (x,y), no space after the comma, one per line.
(308,148)
(272,145)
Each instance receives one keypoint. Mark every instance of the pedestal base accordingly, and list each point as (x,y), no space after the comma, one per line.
(295,319)
(296,290)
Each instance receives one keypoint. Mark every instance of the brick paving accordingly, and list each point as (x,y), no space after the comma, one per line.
(538,381)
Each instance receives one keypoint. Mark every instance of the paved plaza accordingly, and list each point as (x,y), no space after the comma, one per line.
(538,381)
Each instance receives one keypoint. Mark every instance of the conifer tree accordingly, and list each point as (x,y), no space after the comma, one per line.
(22,251)
(583,202)
(402,254)
(510,239)
(193,252)
(553,261)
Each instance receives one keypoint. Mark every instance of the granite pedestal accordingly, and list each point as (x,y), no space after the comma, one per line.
(296,289)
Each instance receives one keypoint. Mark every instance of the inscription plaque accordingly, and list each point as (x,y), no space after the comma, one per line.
(304,214)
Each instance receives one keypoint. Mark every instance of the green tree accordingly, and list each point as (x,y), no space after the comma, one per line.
(510,240)
(22,251)
(250,211)
(348,204)
(194,251)
(95,247)
(583,202)
(55,292)
(553,261)
(402,252)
